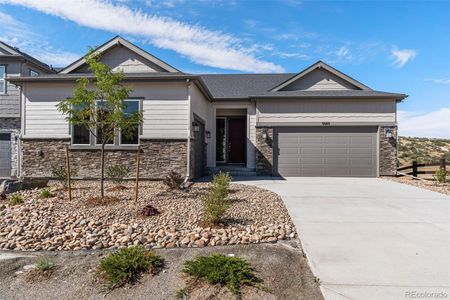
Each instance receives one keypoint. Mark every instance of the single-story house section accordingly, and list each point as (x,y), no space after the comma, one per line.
(319,122)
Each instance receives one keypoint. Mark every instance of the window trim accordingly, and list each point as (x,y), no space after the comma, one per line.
(119,132)
(117,142)
(31,71)
(4,79)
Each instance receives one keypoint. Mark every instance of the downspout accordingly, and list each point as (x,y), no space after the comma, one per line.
(188,164)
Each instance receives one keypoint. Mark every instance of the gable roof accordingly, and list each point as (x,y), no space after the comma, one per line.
(118,40)
(320,65)
(15,53)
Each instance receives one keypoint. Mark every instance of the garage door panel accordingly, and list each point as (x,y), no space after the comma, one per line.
(333,151)
(336,151)
(311,140)
(311,151)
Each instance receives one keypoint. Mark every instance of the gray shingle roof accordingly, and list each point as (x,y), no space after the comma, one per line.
(242,85)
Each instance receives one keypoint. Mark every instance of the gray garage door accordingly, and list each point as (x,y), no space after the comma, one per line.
(326,151)
(5,154)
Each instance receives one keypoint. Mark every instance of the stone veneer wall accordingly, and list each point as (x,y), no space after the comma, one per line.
(264,152)
(12,126)
(388,152)
(158,158)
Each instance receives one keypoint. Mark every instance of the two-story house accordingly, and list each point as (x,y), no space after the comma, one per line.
(13,63)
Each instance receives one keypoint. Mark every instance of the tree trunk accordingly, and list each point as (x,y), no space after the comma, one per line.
(102,178)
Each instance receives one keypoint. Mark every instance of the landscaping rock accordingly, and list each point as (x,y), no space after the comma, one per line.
(55,224)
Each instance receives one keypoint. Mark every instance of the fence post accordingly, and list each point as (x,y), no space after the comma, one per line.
(442,164)
(414,169)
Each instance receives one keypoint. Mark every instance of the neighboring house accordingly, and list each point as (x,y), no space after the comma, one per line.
(13,63)
(319,122)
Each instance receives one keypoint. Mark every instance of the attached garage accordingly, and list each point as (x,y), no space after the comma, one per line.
(326,151)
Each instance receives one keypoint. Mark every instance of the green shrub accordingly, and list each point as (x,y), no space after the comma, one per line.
(60,174)
(215,201)
(232,272)
(117,173)
(45,193)
(440,175)
(44,264)
(127,264)
(15,199)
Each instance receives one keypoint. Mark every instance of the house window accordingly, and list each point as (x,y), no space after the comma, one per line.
(102,112)
(33,73)
(2,79)
(80,135)
(131,107)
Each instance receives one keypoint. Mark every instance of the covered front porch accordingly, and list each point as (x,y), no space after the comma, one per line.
(231,147)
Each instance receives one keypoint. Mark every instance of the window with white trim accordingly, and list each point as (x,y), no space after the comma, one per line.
(2,79)
(131,107)
(80,135)
(33,73)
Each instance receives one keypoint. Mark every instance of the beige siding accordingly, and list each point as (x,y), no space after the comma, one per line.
(121,58)
(164,109)
(333,111)
(319,79)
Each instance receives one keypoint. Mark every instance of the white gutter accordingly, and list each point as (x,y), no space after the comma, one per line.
(188,164)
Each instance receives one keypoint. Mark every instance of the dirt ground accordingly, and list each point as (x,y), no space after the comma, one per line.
(281,266)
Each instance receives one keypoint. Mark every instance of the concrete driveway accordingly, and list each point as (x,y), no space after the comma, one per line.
(370,238)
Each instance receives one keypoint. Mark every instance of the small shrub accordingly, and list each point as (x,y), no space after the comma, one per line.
(15,199)
(440,175)
(232,272)
(117,173)
(215,201)
(127,264)
(44,264)
(174,181)
(45,193)
(60,174)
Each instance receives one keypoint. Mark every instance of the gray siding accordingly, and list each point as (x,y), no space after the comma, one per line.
(121,58)
(325,110)
(9,102)
(319,80)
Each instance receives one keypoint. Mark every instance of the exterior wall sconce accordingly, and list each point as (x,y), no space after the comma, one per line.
(195,126)
(208,134)
(264,133)
(388,132)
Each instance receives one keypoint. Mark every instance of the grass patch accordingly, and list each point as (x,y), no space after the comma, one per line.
(15,199)
(45,193)
(128,264)
(44,264)
(232,272)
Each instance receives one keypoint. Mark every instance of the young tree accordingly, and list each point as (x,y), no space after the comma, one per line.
(99,106)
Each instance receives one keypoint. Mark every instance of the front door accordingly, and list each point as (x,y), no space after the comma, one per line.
(236,140)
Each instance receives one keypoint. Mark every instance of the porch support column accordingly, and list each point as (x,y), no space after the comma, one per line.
(264,151)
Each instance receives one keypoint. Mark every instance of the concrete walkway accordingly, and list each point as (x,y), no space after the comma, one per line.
(370,238)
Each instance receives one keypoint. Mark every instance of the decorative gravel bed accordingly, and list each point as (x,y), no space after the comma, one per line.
(443,188)
(256,215)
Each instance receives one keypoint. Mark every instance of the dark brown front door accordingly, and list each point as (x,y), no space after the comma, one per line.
(236,140)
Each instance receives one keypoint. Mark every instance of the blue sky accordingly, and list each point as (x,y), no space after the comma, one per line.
(392,46)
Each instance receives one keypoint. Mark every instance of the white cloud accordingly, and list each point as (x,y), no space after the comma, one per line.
(433,124)
(344,53)
(202,46)
(18,34)
(401,57)
(442,80)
